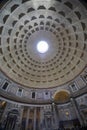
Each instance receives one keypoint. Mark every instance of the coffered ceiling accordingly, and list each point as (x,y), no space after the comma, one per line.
(62,23)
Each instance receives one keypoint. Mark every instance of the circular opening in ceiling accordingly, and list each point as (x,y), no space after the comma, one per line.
(42,46)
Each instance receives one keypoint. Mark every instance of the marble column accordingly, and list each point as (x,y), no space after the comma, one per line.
(56,116)
(46,127)
(75,106)
(34,119)
(27,119)
(20,119)
(41,118)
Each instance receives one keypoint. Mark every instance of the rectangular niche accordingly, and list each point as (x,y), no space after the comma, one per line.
(19,92)
(33,95)
(5,85)
(73,87)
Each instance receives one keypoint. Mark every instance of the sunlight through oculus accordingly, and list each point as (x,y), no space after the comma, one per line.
(42,46)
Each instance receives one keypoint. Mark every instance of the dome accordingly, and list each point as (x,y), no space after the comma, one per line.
(43,64)
(61,24)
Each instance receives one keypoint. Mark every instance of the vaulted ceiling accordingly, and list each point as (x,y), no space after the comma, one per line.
(62,23)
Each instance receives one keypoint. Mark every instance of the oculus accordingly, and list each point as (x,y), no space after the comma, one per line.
(42,47)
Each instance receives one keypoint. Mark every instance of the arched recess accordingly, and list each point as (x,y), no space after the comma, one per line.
(61,96)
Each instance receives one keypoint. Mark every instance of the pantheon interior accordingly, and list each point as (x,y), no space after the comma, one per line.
(43,64)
